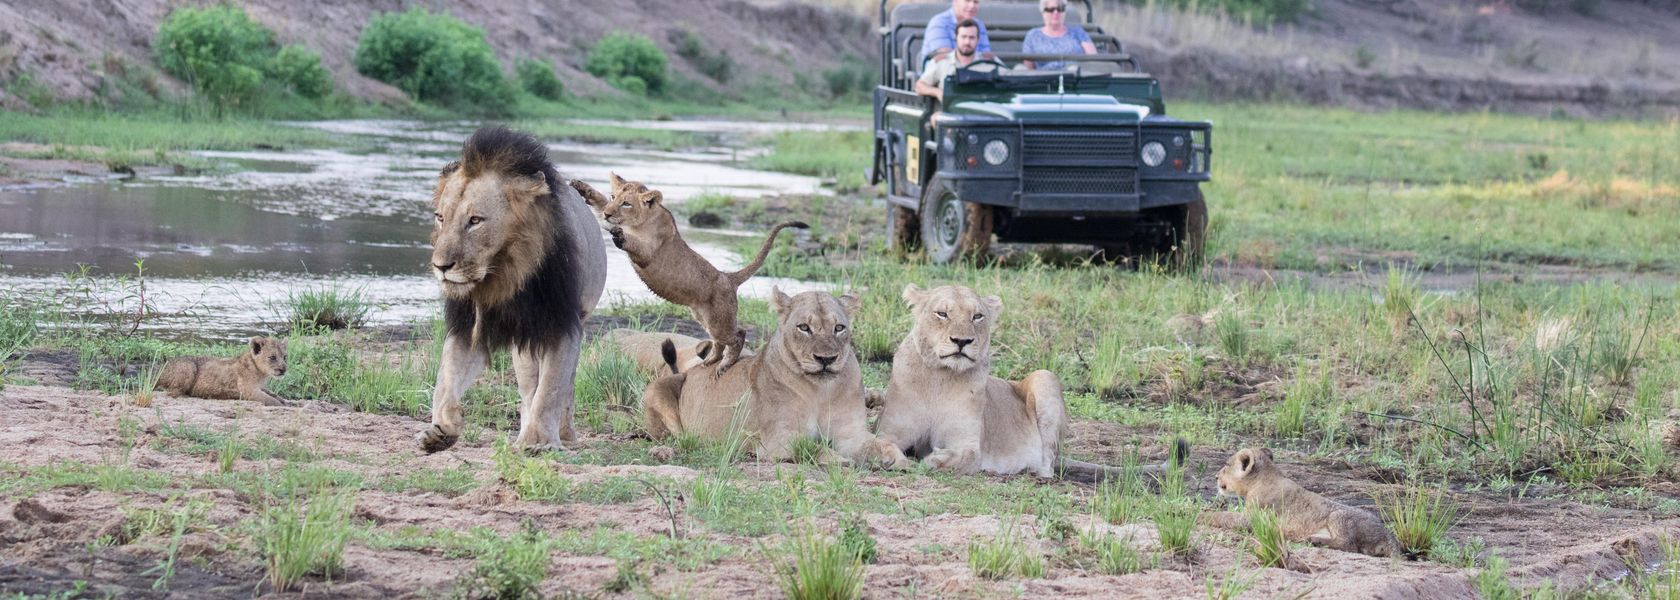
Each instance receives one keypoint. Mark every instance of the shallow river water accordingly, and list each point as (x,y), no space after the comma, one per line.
(221,251)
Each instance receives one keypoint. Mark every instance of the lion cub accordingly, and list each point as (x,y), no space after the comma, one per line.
(239,378)
(645,349)
(644,229)
(1304,515)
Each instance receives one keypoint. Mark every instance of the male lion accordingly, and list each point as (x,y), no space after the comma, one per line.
(804,383)
(239,378)
(521,264)
(944,406)
(1303,515)
(646,230)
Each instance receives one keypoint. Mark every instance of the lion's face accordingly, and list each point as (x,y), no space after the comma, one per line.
(631,203)
(953,325)
(477,218)
(270,355)
(814,331)
(1242,470)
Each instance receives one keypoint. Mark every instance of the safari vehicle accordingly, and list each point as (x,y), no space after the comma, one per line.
(1082,155)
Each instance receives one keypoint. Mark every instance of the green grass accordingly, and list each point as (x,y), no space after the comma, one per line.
(843,156)
(812,566)
(150,138)
(1420,517)
(302,537)
(1005,554)
(1270,547)
(325,308)
(592,133)
(508,568)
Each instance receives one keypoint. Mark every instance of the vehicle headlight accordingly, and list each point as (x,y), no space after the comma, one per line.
(1153,153)
(996,152)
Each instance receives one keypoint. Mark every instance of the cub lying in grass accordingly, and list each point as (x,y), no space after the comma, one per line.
(1304,515)
(239,378)
(644,229)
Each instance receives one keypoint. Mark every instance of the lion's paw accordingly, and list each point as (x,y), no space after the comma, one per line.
(433,439)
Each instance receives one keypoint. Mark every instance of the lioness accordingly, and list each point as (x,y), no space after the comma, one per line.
(646,230)
(521,263)
(804,383)
(943,406)
(643,347)
(1304,515)
(239,378)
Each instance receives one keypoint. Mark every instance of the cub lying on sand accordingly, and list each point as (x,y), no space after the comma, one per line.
(804,383)
(945,407)
(645,229)
(239,378)
(1304,515)
(643,347)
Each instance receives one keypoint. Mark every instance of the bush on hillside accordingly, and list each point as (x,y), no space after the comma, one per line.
(538,78)
(629,61)
(718,66)
(300,68)
(231,59)
(218,50)
(434,58)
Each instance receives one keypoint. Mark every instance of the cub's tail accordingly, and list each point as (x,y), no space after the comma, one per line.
(1095,473)
(745,273)
(668,351)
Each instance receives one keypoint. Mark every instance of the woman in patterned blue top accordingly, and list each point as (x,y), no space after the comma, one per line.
(1056,36)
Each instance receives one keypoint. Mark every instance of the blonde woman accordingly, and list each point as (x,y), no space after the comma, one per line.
(1056,36)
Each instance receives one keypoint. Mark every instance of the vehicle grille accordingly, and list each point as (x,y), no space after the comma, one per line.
(1079,180)
(1058,147)
(1078,161)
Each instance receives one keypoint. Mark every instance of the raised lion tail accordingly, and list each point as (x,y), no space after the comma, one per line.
(747,272)
(668,351)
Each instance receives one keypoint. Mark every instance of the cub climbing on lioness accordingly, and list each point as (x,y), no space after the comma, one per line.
(944,407)
(1303,515)
(642,226)
(238,378)
(804,383)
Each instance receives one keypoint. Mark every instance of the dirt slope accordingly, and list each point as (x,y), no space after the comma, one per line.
(73,47)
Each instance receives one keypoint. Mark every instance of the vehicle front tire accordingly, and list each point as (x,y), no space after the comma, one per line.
(951,228)
(1189,237)
(904,234)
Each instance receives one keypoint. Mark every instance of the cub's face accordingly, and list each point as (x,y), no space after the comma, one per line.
(475,218)
(953,325)
(270,354)
(814,330)
(1242,470)
(631,203)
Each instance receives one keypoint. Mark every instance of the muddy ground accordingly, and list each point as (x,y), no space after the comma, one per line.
(52,539)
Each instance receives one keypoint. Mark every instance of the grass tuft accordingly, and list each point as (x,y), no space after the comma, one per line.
(1419,517)
(304,537)
(816,567)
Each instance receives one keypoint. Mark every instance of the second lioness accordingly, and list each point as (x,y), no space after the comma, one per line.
(944,406)
(804,383)
(646,230)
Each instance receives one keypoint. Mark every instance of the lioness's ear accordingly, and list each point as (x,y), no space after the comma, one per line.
(1266,452)
(779,302)
(913,295)
(256,345)
(851,303)
(652,197)
(994,304)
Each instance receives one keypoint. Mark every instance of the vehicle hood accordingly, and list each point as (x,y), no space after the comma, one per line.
(1059,107)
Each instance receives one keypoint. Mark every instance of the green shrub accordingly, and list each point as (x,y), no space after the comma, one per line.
(435,58)
(509,568)
(300,68)
(851,78)
(720,66)
(538,78)
(630,62)
(219,50)
(1420,518)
